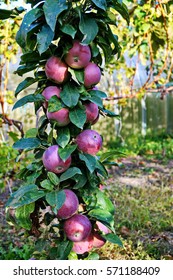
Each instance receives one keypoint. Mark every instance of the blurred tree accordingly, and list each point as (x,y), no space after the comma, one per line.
(146,62)
(8,50)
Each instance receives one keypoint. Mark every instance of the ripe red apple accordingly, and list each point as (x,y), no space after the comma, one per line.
(52,161)
(50,91)
(56,70)
(78,56)
(98,240)
(77,228)
(83,246)
(92,112)
(102,227)
(61,116)
(70,205)
(89,141)
(92,75)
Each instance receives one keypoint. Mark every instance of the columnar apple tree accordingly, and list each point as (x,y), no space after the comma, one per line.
(66,44)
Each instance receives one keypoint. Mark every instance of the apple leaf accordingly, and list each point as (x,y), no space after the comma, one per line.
(25,195)
(103,202)
(27,143)
(46,184)
(52,9)
(64,153)
(69,30)
(62,250)
(72,171)
(44,38)
(103,216)
(80,180)
(54,104)
(63,136)
(102,4)
(89,160)
(24,84)
(78,117)
(22,215)
(70,95)
(28,99)
(25,27)
(56,199)
(113,238)
(53,178)
(89,28)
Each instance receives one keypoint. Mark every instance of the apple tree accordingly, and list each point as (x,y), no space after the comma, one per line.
(66,45)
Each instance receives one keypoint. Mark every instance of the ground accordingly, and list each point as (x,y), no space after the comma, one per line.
(142,191)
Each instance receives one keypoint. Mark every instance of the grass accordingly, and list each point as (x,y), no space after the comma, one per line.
(143,220)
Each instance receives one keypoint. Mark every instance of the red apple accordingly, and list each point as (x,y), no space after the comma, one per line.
(98,240)
(70,205)
(50,91)
(61,117)
(52,161)
(78,56)
(89,141)
(77,228)
(56,70)
(83,246)
(102,227)
(92,112)
(92,75)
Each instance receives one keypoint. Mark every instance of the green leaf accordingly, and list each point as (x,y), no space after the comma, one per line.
(79,75)
(25,27)
(62,251)
(102,4)
(113,238)
(70,95)
(54,104)
(27,143)
(92,256)
(89,160)
(70,173)
(69,30)
(111,154)
(101,169)
(88,26)
(56,199)
(121,8)
(64,153)
(46,184)
(44,38)
(25,195)
(53,178)
(78,117)
(96,99)
(103,216)
(32,132)
(103,202)
(28,99)
(63,137)
(24,84)
(98,93)
(109,113)
(22,215)
(80,180)
(52,9)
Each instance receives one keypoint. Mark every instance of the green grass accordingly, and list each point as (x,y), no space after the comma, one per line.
(144,222)
(151,146)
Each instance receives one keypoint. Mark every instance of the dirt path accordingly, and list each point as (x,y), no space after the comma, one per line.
(141,172)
